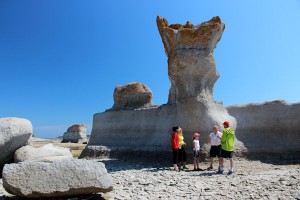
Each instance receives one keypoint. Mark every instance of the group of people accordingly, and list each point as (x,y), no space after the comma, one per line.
(222,146)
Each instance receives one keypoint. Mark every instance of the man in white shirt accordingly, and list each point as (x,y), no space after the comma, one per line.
(215,150)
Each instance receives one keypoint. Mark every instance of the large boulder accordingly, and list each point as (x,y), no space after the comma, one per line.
(58,179)
(132,96)
(269,128)
(14,133)
(46,153)
(76,134)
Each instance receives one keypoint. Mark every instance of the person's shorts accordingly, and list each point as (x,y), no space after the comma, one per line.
(215,151)
(226,154)
(198,155)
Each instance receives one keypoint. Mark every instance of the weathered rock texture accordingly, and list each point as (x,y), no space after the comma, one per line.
(270,128)
(46,153)
(58,179)
(191,65)
(132,96)
(192,72)
(14,133)
(75,134)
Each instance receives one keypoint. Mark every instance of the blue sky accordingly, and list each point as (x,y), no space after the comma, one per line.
(60,60)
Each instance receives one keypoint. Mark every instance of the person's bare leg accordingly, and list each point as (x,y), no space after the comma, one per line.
(175,167)
(221,162)
(219,158)
(231,164)
(211,161)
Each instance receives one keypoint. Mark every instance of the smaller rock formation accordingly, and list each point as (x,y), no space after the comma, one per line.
(75,134)
(46,153)
(14,133)
(58,179)
(132,96)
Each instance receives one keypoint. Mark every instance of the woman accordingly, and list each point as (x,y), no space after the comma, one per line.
(182,152)
(175,146)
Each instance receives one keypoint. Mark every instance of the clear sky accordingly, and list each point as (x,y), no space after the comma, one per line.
(60,60)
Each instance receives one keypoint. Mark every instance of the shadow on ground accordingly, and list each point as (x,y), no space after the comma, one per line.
(153,162)
(84,197)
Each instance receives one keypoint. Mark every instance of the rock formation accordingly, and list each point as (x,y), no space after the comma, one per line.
(58,179)
(132,96)
(191,65)
(46,153)
(14,133)
(75,134)
(192,72)
(269,128)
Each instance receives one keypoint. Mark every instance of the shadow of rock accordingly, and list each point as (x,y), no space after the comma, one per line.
(83,197)
(137,161)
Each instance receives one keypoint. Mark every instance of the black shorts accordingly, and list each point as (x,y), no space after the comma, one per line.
(198,154)
(215,151)
(226,154)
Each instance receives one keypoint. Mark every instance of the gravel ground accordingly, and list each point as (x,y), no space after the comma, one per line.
(137,179)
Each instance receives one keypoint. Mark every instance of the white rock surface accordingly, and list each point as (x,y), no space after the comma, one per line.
(58,179)
(14,133)
(76,134)
(46,153)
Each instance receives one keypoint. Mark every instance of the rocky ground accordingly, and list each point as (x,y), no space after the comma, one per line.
(142,179)
(151,178)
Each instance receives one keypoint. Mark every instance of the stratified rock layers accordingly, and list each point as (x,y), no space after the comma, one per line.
(192,72)
(270,128)
(149,129)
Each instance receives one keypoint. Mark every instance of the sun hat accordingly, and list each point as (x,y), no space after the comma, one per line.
(196,134)
(226,123)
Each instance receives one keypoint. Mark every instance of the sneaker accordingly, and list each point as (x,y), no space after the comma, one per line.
(185,167)
(220,171)
(230,172)
(210,168)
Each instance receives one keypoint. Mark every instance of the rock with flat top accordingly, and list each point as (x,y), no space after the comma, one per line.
(269,129)
(58,179)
